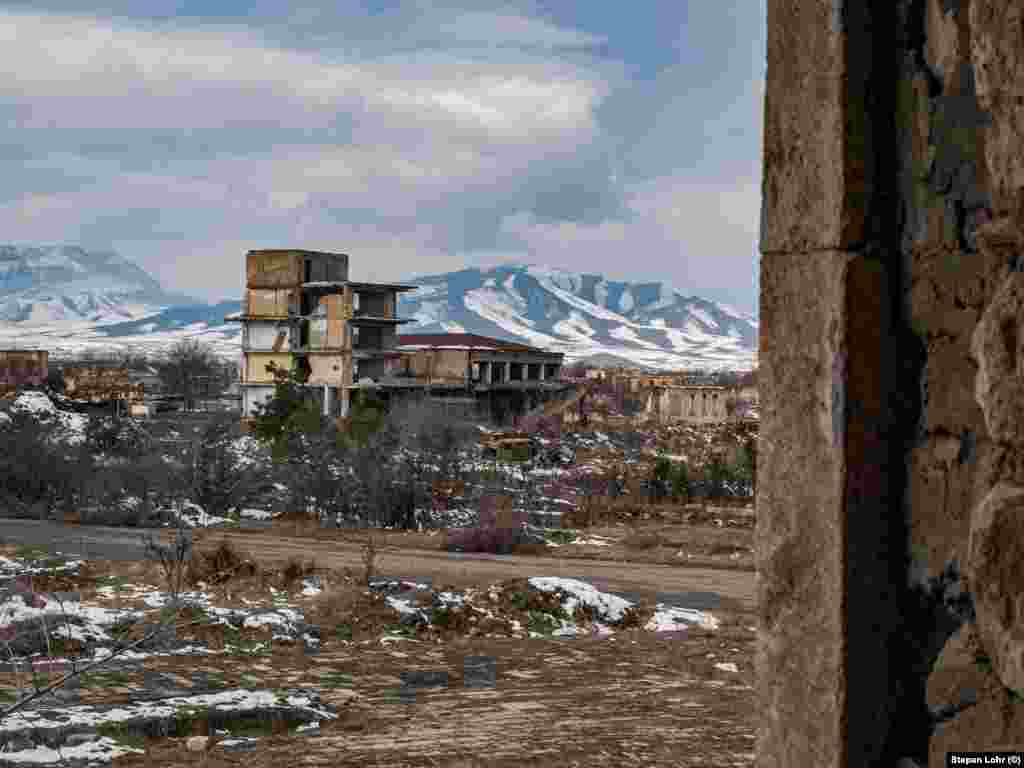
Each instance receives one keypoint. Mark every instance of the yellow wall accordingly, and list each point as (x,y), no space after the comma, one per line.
(267,302)
(256,363)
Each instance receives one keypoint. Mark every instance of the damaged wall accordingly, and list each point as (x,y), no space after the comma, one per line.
(891,498)
(100,383)
(438,364)
(22,368)
(692,405)
(289,268)
(271,302)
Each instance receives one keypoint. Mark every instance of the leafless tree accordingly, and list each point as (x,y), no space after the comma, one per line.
(191,369)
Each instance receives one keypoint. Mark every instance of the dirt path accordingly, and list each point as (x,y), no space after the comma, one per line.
(735,588)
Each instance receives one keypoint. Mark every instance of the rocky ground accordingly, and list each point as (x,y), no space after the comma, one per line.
(298,660)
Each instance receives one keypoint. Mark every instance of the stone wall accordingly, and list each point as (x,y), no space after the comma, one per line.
(891,493)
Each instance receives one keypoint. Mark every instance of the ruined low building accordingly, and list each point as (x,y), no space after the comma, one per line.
(506,379)
(20,368)
(692,405)
(101,384)
(476,361)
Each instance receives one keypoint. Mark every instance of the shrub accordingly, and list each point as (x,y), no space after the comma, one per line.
(499,530)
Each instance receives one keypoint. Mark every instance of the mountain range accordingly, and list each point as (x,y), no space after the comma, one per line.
(68,300)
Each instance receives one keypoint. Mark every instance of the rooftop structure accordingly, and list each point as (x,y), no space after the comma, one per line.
(477,362)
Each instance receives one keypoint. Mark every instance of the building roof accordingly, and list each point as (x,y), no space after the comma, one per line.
(358,286)
(463,340)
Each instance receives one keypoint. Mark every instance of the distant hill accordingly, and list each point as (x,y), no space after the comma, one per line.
(584,315)
(67,300)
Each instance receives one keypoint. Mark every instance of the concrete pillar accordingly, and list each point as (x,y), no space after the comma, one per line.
(542,372)
(346,398)
(828,506)
(327,400)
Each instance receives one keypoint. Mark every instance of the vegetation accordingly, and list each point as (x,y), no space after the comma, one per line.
(287,414)
(191,369)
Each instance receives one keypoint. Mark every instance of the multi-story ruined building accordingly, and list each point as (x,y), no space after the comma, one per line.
(302,312)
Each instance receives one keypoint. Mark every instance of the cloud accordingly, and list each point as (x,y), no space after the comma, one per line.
(102,74)
(706,233)
(418,140)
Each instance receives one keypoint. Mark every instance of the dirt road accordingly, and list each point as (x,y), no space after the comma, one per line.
(662,583)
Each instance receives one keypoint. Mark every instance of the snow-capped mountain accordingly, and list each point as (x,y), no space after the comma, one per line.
(68,300)
(582,315)
(40,285)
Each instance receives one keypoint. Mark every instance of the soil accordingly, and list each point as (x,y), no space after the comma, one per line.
(635,699)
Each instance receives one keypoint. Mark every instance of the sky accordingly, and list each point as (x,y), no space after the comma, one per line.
(418,137)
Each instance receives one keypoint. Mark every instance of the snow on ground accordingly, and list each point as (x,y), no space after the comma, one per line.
(92,752)
(258,514)
(594,541)
(89,621)
(89,716)
(608,607)
(669,618)
(70,426)
(29,567)
(195,516)
(611,608)
(247,450)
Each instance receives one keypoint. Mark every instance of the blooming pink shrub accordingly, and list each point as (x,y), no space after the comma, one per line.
(497,532)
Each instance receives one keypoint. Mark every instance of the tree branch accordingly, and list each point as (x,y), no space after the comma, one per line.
(75,673)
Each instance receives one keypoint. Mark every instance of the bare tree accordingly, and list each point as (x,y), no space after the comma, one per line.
(190,369)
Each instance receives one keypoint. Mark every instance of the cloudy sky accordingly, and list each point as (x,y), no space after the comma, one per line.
(419,137)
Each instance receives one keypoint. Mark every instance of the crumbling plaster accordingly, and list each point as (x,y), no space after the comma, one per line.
(891,497)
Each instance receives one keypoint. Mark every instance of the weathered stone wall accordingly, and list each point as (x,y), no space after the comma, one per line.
(891,496)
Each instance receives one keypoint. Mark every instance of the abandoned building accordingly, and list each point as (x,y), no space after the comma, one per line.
(694,405)
(301,311)
(506,379)
(20,368)
(102,386)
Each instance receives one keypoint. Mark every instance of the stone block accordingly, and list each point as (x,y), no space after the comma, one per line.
(942,40)
(998,347)
(997,52)
(956,677)
(805,175)
(948,379)
(941,492)
(799,539)
(996,570)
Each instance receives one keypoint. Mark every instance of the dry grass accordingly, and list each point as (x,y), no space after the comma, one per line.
(637,539)
(224,563)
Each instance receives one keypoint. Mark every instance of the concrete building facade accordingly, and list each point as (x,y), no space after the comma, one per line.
(693,405)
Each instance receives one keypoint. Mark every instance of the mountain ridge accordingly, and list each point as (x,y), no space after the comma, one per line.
(65,298)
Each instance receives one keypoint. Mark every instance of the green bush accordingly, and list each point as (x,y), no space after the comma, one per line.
(515,453)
